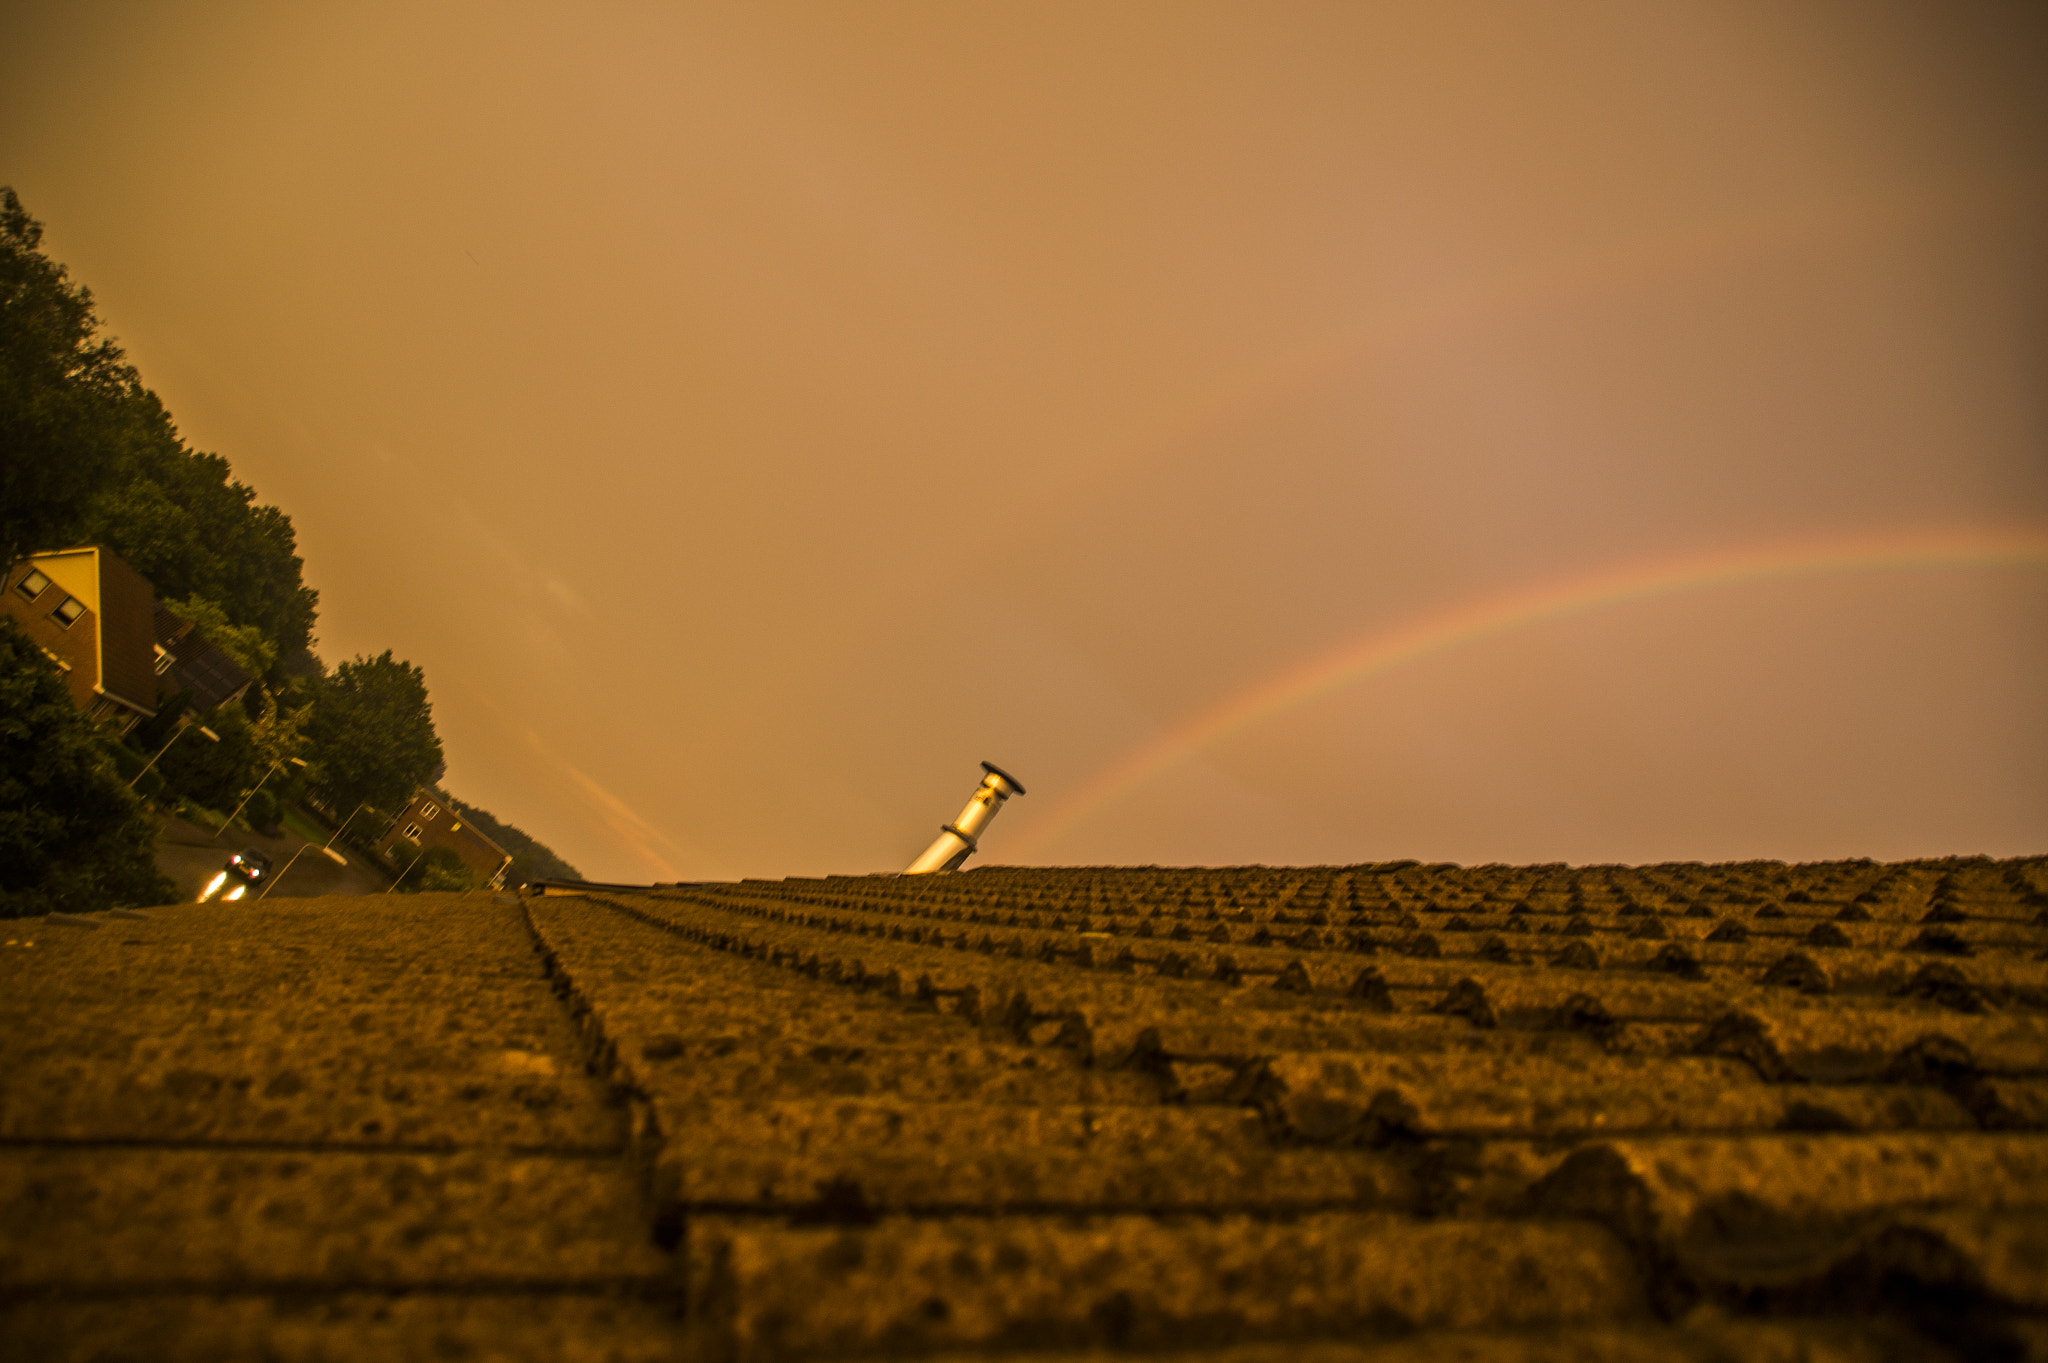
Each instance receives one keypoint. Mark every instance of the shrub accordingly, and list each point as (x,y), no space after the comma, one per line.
(263,811)
(209,772)
(440,869)
(149,785)
(73,837)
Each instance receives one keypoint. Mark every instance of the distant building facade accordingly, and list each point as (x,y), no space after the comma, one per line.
(429,821)
(96,617)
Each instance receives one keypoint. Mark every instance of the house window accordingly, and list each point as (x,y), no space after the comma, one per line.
(68,613)
(412,831)
(429,810)
(32,585)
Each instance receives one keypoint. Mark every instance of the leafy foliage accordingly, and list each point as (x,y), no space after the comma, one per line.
(440,868)
(247,645)
(61,385)
(262,811)
(213,774)
(372,732)
(188,527)
(531,858)
(72,837)
(88,455)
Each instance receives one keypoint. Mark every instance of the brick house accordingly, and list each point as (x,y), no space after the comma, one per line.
(96,617)
(430,821)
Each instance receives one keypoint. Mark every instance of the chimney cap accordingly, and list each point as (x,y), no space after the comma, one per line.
(994,770)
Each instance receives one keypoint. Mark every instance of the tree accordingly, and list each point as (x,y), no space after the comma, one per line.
(277,717)
(72,836)
(213,773)
(263,811)
(439,869)
(90,456)
(247,645)
(60,385)
(372,732)
(180,518)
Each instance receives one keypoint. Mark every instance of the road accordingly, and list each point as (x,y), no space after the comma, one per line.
(191,856)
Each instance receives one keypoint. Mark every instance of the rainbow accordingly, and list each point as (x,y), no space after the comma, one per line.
(1374,654)
(1121,458)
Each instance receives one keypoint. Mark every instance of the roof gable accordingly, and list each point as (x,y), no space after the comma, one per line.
(77,571)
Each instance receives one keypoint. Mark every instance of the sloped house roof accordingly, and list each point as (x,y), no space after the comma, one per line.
(188,661)
(94,613)
(1337,1113)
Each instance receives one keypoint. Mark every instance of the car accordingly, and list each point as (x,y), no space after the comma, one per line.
(248,866)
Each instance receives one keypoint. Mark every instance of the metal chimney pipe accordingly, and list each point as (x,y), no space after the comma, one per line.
(958,839)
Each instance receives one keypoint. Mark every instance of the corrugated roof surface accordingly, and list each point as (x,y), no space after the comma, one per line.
(1399,1111)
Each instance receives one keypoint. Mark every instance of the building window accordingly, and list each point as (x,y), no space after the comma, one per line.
(163,660)
(412,831)
(429,810)
(32,585)
(68,613)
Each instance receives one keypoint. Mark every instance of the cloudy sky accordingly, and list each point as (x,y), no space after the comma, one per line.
(1284,433)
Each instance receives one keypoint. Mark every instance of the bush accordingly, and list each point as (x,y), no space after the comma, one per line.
(73,837)
(440,869)
(149,784)
(213,773)
(263,812)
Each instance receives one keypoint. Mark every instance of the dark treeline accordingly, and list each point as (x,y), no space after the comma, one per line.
(89,455)
(531,859)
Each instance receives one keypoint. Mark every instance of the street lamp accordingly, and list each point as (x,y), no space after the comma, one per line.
(331,855)
(344,825)
(295,761)
(406,872)
(167,747)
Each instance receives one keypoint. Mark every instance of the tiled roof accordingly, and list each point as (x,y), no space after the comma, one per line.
(209,674)
(1343,1113)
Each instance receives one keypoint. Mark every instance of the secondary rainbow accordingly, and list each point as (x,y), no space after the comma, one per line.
(1361,658)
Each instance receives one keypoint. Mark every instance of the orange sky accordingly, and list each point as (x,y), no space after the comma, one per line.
(754,417)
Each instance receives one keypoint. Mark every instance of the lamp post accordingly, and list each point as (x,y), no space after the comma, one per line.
(406,872)
(332,856)
(295,761)
(345,823)
(167,747)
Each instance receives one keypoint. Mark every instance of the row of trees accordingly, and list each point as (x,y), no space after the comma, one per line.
(88,455)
